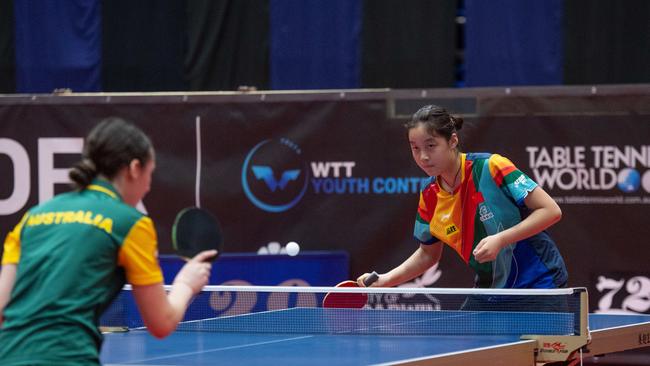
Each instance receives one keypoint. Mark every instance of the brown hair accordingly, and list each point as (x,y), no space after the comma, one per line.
(110,146)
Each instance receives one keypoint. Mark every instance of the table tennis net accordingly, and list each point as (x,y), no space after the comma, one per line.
(299,310)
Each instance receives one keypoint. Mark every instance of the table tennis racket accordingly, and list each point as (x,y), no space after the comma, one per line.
(349,300)
(195,230)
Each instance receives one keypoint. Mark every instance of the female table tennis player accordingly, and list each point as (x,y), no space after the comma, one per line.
(481,206)
(69,257)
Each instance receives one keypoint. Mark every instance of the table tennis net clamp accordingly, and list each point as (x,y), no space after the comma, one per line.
(559,348)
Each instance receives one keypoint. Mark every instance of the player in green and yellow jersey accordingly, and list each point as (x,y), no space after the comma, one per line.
(68,258)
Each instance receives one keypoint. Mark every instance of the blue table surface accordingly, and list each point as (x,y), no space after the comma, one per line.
(242,348)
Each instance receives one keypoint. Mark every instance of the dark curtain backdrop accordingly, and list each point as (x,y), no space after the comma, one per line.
(315,44)
(607,41)
(144,44)
(228,44)
(58,45)
(7,52)
(167,45)
(513,42)
(408,44)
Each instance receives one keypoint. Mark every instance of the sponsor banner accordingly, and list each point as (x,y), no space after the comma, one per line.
(596,174)
(313,268)
(328,175)
(620,293)
(338,175)
(243,269)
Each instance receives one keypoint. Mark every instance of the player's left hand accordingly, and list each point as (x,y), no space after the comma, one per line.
(488,248)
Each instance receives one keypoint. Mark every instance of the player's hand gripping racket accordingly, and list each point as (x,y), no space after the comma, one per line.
(194,231)
(349,300)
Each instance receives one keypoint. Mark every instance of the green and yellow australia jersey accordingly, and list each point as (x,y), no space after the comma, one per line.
(73,254)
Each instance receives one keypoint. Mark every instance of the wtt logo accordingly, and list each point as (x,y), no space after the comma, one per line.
(265,173)
(274,176)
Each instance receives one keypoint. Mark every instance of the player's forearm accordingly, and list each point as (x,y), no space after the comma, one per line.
(538,220)
(415,265)
(178,300)
(162,312)
(544,213)
(172,313)
(168,309)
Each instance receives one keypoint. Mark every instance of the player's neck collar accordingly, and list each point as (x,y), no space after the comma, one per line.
(103,186)
(458,177)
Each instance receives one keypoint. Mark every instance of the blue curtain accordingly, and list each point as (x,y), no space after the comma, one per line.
(315,44)
(512,42)
(58,45)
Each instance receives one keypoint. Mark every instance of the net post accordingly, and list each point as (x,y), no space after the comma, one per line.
(584,313)
(551,348)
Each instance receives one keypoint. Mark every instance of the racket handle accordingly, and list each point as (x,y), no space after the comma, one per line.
(372,278)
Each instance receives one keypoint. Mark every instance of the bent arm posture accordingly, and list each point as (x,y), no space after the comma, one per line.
(422,259)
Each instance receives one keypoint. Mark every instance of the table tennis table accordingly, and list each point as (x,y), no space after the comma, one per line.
(240,344)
